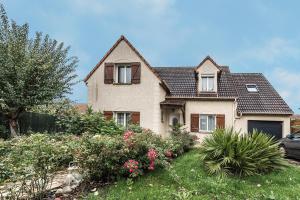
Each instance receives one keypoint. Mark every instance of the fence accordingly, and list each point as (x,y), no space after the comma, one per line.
(295,123)
(29,121)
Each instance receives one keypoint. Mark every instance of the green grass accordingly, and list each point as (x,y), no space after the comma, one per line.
(188,180)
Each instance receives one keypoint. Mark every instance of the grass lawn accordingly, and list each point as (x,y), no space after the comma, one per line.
(188,180)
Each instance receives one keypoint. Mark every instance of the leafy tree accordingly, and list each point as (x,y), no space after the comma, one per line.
(34,71)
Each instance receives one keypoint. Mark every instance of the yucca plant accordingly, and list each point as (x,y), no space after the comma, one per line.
(227,152)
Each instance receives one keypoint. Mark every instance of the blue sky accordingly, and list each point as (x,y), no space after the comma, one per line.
(249,36)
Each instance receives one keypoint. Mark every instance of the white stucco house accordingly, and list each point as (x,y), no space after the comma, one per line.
(126,88)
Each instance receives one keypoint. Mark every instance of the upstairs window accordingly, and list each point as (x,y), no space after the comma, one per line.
(208,83)
(124,74)
(252,88)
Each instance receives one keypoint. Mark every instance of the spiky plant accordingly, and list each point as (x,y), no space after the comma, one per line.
(227,152)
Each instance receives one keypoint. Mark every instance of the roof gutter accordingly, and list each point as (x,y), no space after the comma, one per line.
(201,98)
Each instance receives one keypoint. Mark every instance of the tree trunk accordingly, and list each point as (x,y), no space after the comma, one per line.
(14,127)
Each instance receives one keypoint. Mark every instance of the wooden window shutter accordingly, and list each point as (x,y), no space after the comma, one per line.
(108,115)
(220,121)
(135,118)
(194,122)
(108,73)
(136,73)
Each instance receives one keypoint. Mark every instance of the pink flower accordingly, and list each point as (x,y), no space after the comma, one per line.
(152,155)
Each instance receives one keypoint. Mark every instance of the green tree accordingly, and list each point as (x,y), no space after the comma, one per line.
(34,71)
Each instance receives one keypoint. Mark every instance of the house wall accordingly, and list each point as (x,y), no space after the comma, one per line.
(144,97)
(242,123)
(208,68)
(210,107)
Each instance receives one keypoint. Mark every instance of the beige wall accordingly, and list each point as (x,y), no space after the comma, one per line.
(207,68)
(242,123)
(210,107)
(144,97)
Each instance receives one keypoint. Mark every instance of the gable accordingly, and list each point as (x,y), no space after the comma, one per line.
(208,65)
(121,51)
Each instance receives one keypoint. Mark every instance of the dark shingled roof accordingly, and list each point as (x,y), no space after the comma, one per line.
(182,82)
(266,100)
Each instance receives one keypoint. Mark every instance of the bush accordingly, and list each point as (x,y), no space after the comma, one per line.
(91,122)
(20,154)
(102,157)
(105,158)
(180,140)
(227,152)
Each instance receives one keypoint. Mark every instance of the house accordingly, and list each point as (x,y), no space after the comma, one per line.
(127,88)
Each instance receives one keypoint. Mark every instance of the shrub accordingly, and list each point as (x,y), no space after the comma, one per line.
(91,122)
(180,141)
(227,152)
(102,157)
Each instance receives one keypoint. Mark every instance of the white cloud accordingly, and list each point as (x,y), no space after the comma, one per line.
(272,50)
(129,7)
(288,85)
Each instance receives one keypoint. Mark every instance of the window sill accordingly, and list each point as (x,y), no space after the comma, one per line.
(208,92)
(122,83)
(205,132)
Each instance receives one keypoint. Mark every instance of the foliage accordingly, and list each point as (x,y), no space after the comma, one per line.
(23,153)
(180,140)
(102,157)
(227,152)
(188,179)
(90,122)
(34,71)
(30,162)
(3,131)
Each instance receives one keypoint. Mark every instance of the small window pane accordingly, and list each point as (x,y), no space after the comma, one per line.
(204,83)
(210,83)
(128,75)
(211,122)
(252,88)
(121,74)
(203,122)
(120,118)
(128,119)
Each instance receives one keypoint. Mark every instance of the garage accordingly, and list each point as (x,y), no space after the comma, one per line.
(273,128)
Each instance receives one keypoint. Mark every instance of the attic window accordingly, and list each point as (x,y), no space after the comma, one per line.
(252,87)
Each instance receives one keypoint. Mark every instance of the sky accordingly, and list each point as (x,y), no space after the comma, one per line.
(249,36)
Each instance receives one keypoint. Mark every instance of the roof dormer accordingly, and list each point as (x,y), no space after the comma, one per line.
(207,72)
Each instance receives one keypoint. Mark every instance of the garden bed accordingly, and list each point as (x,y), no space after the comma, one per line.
(187,179)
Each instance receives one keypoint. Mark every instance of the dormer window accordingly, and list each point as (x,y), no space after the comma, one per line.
(208,83)
(251,87)
(124,74)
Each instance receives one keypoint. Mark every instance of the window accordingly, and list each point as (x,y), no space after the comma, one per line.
(252,88)
(208,83)
(124,74)
(207,122)
(123,118)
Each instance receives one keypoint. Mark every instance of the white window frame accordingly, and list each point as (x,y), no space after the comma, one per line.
(126,67)
(207,115)
(125,118)
(251,89)
(207,82)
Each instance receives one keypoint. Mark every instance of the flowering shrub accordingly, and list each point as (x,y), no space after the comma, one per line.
(132,167)
(152,155)
(127,137)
